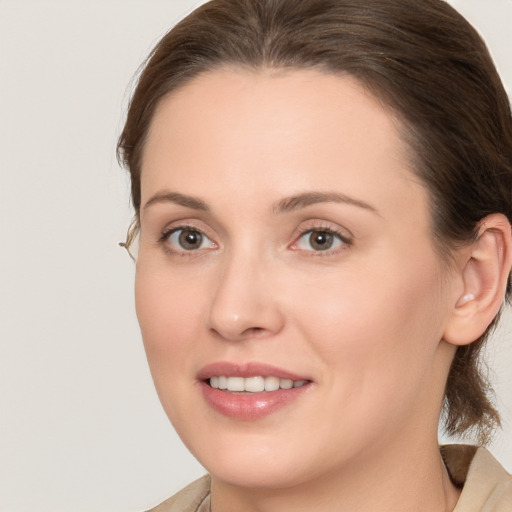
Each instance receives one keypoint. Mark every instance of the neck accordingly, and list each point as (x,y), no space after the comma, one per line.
(398,479)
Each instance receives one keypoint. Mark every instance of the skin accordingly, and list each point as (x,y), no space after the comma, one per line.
(363,321)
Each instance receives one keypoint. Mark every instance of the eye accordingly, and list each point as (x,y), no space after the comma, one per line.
(319,240)
(188,239)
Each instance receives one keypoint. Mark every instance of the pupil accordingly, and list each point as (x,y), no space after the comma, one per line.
(321,240)
(190,240)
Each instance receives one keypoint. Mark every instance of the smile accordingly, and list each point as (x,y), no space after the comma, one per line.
(250,391)
(256,384)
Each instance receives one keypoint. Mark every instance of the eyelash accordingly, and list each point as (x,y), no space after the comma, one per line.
(346,241)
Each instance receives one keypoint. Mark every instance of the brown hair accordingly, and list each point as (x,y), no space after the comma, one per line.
(422,59)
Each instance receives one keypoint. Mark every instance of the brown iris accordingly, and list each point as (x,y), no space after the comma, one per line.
(321,240)
(190,239)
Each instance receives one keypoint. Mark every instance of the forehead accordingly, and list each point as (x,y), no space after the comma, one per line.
(275,132)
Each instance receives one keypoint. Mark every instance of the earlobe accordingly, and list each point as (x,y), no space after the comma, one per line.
(485,272)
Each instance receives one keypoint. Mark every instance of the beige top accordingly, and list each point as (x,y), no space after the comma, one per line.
(486,486)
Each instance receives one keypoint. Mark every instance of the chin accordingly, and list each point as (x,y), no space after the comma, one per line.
(259,474)
(256,461)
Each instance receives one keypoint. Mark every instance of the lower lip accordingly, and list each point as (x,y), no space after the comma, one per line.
(249,406)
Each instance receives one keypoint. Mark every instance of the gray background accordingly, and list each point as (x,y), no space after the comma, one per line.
(81,428)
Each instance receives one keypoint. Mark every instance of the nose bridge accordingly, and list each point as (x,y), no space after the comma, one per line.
(242,303)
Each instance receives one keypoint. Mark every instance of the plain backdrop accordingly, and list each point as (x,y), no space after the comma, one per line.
(81,429)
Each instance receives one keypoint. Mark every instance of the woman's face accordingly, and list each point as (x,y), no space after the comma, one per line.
(285,242)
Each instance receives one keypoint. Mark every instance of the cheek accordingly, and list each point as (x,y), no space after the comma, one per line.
(374,319)
(377,337)
(168,315)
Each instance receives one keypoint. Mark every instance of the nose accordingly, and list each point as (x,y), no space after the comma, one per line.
(245,303)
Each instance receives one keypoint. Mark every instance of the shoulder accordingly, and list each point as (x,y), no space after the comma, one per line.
(486,486)
(188,499)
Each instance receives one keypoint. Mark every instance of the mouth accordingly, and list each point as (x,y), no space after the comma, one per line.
(250,391)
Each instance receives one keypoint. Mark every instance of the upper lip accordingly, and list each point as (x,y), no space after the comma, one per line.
(249,369)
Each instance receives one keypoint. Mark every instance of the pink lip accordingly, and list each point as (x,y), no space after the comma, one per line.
(246,370)
(248,406)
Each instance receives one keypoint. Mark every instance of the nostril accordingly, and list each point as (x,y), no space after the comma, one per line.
(254,332)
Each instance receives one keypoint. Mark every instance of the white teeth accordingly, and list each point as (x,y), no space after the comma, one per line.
(236,384)
(286,384)
(255,384)
(272,383)
(223,383)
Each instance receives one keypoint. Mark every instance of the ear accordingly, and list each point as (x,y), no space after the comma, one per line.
(484,268)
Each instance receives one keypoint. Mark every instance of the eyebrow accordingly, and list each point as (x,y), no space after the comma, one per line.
(309,198)
(288,204)
(180,199)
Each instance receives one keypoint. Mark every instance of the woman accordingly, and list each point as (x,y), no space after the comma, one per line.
(322,193)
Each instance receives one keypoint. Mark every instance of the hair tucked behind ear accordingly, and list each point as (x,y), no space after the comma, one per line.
(422,59)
